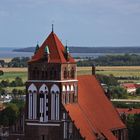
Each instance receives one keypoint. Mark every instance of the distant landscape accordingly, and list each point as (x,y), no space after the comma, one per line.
(75,49)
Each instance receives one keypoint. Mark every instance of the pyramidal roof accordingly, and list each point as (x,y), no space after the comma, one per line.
(56,51)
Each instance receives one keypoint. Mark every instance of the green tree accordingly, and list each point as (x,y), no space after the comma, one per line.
(18,81)
(133,125)
(1,72)
(15,92)
(138,91)
(118,92)
(5,83)
(9,115)
(2,91)
(108,80)
(19,103)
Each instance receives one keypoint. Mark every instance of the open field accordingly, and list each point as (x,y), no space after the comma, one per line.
(7,60)
(14,69)
(123,71)
(11,88)
(12,75)
(117,71)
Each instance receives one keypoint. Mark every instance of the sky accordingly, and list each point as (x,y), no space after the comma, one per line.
(90,23)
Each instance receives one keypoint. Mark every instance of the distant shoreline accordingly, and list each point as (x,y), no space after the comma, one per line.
(89,50)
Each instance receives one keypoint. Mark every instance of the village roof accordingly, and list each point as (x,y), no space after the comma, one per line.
(94,114)
(130,85)
(128,111)
(56,51)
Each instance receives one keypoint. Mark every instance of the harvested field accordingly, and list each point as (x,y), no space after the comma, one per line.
(14,69)
(118,71)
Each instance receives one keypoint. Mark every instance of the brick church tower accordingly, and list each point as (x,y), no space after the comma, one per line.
(61,105)
(52,82)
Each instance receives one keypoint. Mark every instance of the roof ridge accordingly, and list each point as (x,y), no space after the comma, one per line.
(58,50)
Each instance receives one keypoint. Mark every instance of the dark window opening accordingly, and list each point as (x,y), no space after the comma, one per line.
(34,74)
(47,113)
(43,137)
(72,73)
(55,74)
(43,74)
(65,73)
(51,74)
(37,74)
(46,75)
(41,95)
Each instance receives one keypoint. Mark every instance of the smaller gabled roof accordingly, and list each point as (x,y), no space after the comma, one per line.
(129,85)
(56,50)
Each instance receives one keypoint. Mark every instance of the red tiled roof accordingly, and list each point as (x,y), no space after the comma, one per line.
(129,85)
(137,85)
(128,110)
(93,113)
(56,49)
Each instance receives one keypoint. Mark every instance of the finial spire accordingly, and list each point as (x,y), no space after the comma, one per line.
(52,27)
(66,43)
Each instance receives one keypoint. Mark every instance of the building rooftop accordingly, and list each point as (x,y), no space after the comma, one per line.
(128,111)
(56,51)
(94,114)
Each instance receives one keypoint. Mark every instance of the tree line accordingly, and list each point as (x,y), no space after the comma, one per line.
(15,62)
(107,60)
(17,82)
(112,60)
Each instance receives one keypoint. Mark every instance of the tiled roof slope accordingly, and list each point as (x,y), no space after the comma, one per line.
(56,50)
(93,113)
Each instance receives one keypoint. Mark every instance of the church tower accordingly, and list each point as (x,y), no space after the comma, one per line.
(52,82)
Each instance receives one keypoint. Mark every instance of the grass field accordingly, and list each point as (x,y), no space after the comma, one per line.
(116,71)
(124,71)
(11,88)
(12,75)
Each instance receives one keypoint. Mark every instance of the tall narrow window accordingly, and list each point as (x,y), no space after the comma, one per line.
(37,74)
(43,137)
(72,73)
(65,73)
(70,130)
(43,74)
(32,102)
(34,74)
(55,101)
(43,97)
(55,74)
(46,75)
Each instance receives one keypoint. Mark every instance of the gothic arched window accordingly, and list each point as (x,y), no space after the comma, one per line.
(55,74)
(46,75)
(43,75)
(72,73)
(65,73)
